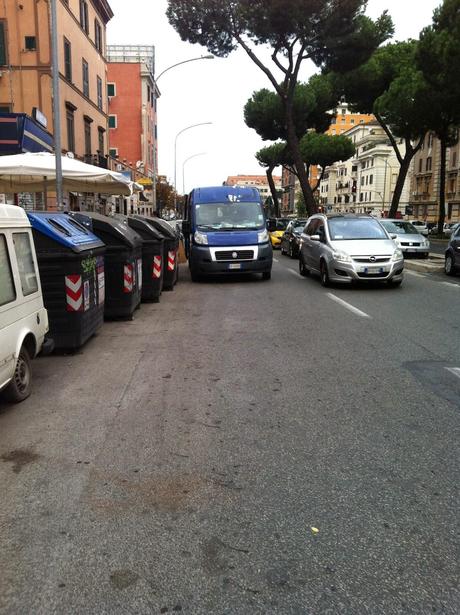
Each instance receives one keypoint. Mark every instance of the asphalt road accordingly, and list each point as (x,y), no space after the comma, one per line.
(243,447)
(438,247)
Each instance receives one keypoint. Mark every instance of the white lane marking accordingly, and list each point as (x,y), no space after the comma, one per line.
(454,370)
(451,284)
(276,260)
(414,273)
(296,273)
(348,306)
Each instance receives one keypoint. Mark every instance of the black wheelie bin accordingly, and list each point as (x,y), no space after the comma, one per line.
(152,258)
(71,264)
(170,250)
(123,262)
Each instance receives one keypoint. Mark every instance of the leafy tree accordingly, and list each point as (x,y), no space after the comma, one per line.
(391,86)
(334,34)
(300,206)
(438,57)
(271,157)
(323,150)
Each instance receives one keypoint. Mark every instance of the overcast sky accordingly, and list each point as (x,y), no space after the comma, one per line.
(216,90)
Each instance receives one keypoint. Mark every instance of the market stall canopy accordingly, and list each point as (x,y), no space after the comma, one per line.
(33,172)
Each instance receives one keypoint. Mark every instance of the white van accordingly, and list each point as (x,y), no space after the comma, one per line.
(23,318)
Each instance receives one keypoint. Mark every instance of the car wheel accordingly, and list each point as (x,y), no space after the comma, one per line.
(20,386)
(324,274)
(449,265)
(266,275)
(426,255)
(302,269)
(395,283)
(291,255)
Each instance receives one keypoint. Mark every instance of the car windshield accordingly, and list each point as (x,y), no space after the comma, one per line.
(281,225)
(345,229)
(229,216)
(400,228)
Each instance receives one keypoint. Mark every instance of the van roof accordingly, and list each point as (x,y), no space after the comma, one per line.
(12,215)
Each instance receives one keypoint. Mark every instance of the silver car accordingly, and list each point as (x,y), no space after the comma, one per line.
(411,242)
(349,248)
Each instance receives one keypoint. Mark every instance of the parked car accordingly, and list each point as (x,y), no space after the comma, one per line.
(411,242)
(23,317)
(276,228)
(291,237)
(345,248)
(451,228)
(421,227)
(452,260)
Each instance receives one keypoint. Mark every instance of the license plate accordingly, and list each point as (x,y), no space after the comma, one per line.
(234,266)
(372,269)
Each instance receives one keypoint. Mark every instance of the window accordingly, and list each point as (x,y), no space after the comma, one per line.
(112,121)
(429,163)
(26,265)
(99,93)
(98,35)
(67,60)
(87,130)
(7,290)
(352,121)
(5,108)
(430,140)
(454,159)
(111,90)
(100,140)
(30,43)
(420,162)
(70,121)
(113,152)
(371,179)
(148,93)
(3,46)
(85,69)
(84,16)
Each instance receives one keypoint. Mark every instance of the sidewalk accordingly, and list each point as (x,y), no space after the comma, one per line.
(433,264)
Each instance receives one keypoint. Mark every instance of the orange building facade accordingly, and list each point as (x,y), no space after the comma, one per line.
(132,115)
(25,69)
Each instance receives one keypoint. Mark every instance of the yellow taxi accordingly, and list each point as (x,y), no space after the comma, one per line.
(276,228)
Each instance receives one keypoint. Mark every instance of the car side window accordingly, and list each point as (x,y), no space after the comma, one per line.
(7,290)
(311,227)
(26,266)
(320,231)
(457,233)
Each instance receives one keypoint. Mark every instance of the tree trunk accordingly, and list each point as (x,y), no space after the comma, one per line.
(293,143)
(271,183)
(442,187)
(403,171)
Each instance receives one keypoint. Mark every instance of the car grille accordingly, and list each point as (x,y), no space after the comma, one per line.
(228,255)
(405,243)
(372,260)
(384,274)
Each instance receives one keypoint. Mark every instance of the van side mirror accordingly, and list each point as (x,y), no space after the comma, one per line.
(186,228)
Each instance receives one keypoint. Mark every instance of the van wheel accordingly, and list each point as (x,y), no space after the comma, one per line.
(20,386)
(266,275)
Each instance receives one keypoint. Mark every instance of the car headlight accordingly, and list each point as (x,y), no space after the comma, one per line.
(397,255)
(200,238)
(426,244)
(262,237)
(341,257)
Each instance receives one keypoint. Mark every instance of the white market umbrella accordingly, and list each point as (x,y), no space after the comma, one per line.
(36,172)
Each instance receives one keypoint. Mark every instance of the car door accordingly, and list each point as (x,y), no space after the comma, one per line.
(455,245)
(317,246)
(307,243)
(8,309)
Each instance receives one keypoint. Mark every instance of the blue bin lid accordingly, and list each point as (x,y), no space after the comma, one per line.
(114,231)
(64,230)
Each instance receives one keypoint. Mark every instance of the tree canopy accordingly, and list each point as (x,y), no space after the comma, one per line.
(332,33)
(324,150)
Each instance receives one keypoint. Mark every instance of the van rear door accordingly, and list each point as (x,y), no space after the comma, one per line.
(8,316)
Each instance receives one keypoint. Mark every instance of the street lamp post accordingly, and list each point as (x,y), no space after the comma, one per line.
(175,154)
(183,167)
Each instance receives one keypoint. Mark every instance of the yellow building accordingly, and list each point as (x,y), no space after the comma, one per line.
(25,69)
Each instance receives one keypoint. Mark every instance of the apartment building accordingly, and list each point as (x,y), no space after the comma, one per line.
(254,181)
(133,95)
(366,182)
(25,72)
(424,191)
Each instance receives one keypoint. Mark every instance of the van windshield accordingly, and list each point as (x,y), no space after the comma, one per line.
(229,216)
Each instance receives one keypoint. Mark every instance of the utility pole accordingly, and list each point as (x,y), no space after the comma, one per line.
(56,105)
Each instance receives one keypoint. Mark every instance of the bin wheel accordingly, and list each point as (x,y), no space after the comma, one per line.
(20,386)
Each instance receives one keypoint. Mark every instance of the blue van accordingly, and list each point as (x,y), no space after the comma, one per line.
(225,232)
